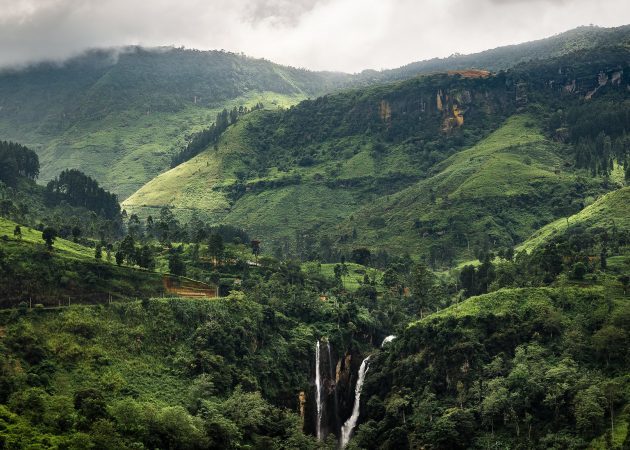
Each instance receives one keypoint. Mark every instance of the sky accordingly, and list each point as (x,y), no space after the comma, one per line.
(342,35)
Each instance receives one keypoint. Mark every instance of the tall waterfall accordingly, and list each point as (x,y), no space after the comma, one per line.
(348,427)
(318,386)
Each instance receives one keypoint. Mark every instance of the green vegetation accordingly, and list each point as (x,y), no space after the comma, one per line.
(526,367)
(177,373)
(489,196)
(29,270)
(438,165)
(351,155)
(609,212)
(121,115)
(458,241)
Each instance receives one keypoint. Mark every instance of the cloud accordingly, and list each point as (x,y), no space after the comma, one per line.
(283,12)
(348,35)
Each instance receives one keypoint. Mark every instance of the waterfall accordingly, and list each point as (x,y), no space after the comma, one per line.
(388,339)
(348,427)
(318,386)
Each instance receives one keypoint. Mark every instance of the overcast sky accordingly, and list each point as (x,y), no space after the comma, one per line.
(346,35)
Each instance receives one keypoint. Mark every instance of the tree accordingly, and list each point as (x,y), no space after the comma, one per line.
(467,280)
(610,341)
(17,161)
(216,248)
(128,249)
(78,189)
(17,233)
(134,226)
(120,257)
(7,208)
(340,270)
(255,248)
(589,411)
(76,233)
(146,258)
(98,252)
(176,265)
(625,282)
(579,270)
(49,234)
(420,283)
(391,280)
(361,256)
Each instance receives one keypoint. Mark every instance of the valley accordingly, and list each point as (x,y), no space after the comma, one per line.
(202,250)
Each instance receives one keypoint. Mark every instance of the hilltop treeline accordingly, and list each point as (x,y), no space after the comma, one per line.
(17,160)
(78,189)
(598,131)
(210,136)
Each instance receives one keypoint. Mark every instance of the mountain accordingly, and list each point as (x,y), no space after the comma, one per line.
(503,58)
(442,164)
(119,115)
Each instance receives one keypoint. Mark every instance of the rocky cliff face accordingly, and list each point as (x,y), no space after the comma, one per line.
(339,378)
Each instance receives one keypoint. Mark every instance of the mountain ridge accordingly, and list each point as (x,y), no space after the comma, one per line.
(120,115)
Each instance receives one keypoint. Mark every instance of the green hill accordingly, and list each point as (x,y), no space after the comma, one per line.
(325,158)
(503,58)
(442,165)
(514,367)
(610,212)
(120,115)
(494,194)
(68,272)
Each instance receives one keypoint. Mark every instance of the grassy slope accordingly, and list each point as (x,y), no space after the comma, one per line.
(478,188)
(475,186)
(62,246)
(69,271)
(120,119)
(352,281)
(273,213)
(610,211)
(346,172)
(189,185)
(125,150)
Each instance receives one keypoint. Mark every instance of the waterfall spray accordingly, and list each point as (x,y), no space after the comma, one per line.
(348,427)
(388,339)
(318,386)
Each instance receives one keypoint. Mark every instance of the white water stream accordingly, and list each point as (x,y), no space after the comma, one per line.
(348,427)
(388,339)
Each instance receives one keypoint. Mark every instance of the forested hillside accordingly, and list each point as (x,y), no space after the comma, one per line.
(445,165)
(120,115)
(502,58)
